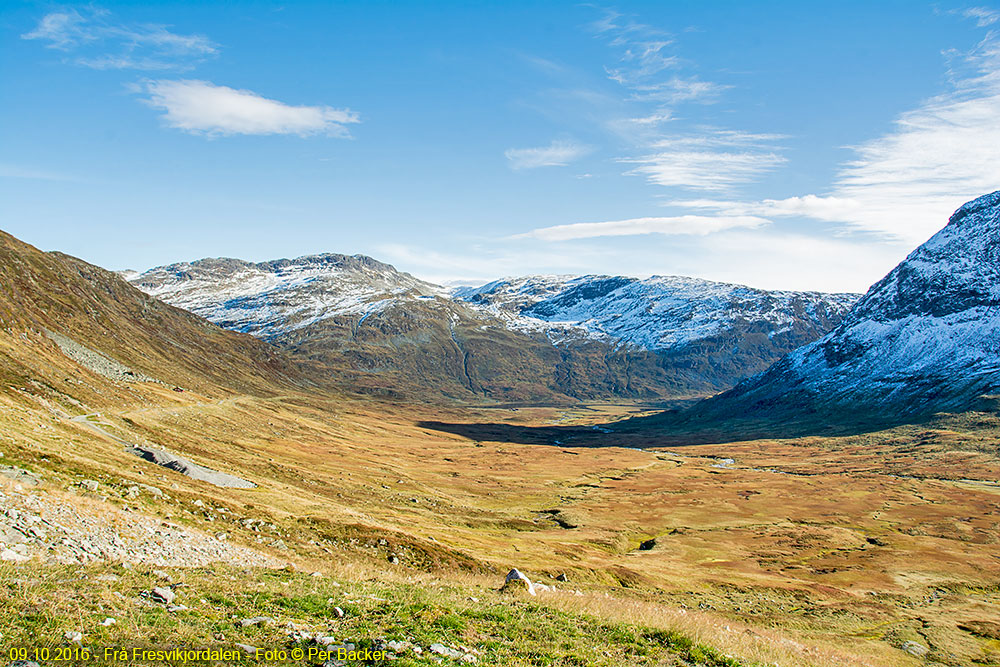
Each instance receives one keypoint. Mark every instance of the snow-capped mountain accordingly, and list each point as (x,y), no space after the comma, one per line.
(925,338)
(586,336)
(657,313)
(270,299)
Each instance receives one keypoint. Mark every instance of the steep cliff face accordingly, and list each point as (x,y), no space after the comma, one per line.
(925,338)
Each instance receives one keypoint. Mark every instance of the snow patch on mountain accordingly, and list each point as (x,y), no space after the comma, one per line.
(274,298)
(925,338)
(655,313)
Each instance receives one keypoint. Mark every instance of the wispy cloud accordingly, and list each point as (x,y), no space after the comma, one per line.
(96,40)
(697,225)
(556,154)
(904,184)
(31,173)
(667,150)
(201,107)
(711,161)
(984,16)
(648,66)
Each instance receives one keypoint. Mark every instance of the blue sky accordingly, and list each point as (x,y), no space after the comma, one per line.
(778,144)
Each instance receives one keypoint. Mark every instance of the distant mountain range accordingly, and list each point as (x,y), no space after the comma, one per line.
(548,338)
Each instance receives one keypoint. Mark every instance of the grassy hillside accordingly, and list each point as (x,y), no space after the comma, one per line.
(52,291)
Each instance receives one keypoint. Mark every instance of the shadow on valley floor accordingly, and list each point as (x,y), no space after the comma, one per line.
(554,436)
(668,429)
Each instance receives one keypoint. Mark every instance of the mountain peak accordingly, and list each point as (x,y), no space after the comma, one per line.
(977,205)
(926,338)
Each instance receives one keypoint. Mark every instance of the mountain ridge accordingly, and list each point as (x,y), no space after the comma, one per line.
(533,338)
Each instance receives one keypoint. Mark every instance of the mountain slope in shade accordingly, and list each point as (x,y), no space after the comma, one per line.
(924,339)
(526,339)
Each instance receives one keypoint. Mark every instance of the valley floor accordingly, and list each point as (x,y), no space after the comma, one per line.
(872,549)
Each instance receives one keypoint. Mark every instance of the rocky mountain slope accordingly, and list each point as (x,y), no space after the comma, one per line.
(532,338)
(924,339)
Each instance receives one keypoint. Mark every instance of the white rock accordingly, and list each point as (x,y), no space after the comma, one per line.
(256,620)
(108,622)
(515,579)
(12,556)
(163,594)
(73,636)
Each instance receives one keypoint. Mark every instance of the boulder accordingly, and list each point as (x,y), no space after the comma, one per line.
(517,581)
(162,594)
(20,475)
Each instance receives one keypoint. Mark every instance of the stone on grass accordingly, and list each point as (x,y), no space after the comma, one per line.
(338,612)
(152,490)
(73,636)
(90,485)
(12,556)
(256,620)
(516,580)
(441,649)
(20,475)
(108,622)
(163,594)
(915,648)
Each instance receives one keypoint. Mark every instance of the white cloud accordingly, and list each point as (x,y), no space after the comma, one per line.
(772,259)
(697,225)
(905,184)
(556,154)
(200,107)
(712,161)
(101,43)
(767,258)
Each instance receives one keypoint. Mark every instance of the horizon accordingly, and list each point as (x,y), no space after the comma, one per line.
(464,144)
(449,284)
